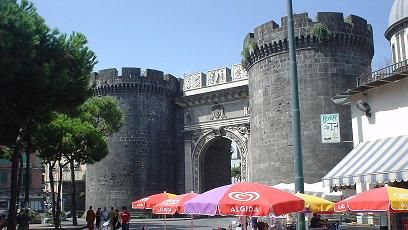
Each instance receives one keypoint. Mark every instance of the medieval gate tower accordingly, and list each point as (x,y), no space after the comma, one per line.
(177,133)
(331,52)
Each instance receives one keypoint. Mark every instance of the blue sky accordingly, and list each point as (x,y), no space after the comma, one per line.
(186,36)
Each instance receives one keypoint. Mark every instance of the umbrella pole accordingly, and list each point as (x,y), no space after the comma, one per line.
(389,219)
(164,221)
(192,224)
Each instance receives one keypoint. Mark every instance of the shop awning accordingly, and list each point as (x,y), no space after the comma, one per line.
(378,161)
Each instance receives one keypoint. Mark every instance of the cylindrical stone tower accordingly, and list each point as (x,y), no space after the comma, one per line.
(141,159)
(331,52)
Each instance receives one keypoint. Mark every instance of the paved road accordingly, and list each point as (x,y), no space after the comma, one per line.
(181,223)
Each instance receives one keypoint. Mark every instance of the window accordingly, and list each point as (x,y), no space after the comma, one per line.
(403,47)
(3,177)
(398,48)
(393,54)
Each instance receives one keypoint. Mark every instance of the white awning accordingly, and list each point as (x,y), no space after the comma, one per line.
(378,161)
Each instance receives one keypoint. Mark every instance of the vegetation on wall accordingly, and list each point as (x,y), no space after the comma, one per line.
(321,32)
(249,48)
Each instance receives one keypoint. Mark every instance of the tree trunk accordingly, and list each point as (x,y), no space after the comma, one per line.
(59,200)
(19,180)
(11,223)
(51,175)
(73,194)
(28,175)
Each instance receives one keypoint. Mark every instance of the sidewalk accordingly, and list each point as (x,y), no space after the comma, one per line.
(65,224)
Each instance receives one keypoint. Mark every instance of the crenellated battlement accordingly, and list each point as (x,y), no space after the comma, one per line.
(270,39)
(151,81)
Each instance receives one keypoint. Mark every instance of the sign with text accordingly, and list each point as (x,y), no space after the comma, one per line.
(330,128)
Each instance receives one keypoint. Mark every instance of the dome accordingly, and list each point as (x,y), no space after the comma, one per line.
(399,11)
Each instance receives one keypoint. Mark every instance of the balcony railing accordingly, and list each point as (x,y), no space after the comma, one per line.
(385,74)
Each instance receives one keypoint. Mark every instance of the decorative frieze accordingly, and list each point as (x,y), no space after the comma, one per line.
(218,76)
(238,73)
(194,81)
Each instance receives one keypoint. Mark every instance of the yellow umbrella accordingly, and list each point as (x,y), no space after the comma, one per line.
(316,204)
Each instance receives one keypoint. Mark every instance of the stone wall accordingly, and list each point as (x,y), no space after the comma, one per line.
(142,155)
(326,66)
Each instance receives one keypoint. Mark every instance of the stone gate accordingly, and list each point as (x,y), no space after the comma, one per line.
(215,107)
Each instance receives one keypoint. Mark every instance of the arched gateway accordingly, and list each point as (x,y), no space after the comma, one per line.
(216,117)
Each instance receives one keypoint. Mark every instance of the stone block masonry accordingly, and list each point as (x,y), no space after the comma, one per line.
(326,65)
(142,153)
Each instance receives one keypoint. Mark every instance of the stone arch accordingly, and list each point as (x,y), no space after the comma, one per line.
(203,138)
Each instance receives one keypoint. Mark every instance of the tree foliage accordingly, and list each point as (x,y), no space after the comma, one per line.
(60,141)
(236,172)
(102,112)
(40,69)
(66,138)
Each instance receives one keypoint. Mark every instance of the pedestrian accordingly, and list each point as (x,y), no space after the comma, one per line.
(98,218)
(90,218)
(111,216)
(116,222)
(105,214)
(125,218)
(254,221)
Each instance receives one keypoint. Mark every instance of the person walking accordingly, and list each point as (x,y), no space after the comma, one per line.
(125,218)
(105,214)
(116,223)
(98,218)
(90,218)
(111,216)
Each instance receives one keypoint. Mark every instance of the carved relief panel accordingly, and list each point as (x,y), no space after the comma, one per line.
(218,76)
(217,112)
(194,81)
(238,73)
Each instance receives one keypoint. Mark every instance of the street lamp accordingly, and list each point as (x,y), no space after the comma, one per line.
(297,142)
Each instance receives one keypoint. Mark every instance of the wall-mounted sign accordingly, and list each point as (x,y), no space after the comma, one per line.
(330,128)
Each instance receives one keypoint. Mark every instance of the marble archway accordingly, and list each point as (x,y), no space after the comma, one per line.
(202,138)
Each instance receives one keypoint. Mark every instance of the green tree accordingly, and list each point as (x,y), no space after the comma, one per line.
(106,116)
(62,140)
(236,172)
(41,70)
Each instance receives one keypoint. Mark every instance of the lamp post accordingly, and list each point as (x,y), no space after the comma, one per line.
(297,142)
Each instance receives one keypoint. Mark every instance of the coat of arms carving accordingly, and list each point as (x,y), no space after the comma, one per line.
(217,112)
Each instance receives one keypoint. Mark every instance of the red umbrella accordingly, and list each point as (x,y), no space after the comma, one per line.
(382,199)
(150,201)
(173,205)
(386,199)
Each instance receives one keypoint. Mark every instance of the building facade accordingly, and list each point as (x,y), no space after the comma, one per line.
(36,184)
(66,191)
(379,107)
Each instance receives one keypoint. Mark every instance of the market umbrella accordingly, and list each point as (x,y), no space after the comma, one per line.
(150,201)
(244,199)
(385,199)
(173,205)
(316,204)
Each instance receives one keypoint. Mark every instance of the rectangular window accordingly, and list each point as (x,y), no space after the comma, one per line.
(25,179)
(3,204)
(3,177)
